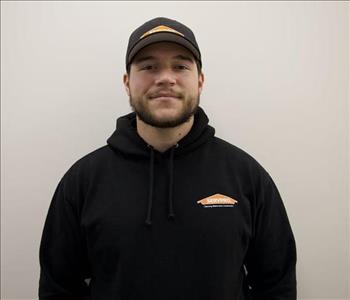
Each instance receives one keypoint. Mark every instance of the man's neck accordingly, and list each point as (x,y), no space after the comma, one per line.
(163,138)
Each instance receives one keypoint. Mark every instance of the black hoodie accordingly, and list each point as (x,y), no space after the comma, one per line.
(200,221)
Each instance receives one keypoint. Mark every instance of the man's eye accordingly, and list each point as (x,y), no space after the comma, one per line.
(181,67)
(147,67)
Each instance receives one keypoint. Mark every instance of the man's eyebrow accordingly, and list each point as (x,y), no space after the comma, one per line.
(143,58)
(184,57)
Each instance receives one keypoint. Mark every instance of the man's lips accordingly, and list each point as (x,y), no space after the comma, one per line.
(164,96)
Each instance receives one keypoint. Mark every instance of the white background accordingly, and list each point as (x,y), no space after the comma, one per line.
(276,85)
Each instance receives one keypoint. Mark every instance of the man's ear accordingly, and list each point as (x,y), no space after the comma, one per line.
(126,83)
(200,82)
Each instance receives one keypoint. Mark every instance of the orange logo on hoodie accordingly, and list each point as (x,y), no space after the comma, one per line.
(217,200)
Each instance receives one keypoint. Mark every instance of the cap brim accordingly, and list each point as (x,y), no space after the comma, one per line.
(163,37)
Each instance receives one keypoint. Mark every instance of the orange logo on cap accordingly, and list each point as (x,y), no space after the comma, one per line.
(160,28)
(217,199)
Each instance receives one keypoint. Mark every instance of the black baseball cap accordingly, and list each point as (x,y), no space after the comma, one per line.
(162,30)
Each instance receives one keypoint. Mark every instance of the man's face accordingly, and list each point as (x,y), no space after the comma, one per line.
(164,85)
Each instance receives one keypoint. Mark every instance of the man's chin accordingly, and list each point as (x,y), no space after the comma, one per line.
(164,116)
(164,121)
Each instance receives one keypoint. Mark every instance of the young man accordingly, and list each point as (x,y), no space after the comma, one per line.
(166,210)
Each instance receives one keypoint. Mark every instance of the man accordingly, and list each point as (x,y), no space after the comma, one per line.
(166,210)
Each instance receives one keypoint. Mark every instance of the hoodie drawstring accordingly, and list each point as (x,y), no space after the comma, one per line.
(171,173)
(151,184)
(150,196)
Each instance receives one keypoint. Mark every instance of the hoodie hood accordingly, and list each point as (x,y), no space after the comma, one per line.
(126,140)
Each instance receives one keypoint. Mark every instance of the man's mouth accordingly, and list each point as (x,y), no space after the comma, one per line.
(164,96)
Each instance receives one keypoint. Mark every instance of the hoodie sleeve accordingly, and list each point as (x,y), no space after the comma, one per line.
(271,257)
(62,255)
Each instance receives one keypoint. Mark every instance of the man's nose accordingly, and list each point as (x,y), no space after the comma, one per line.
(166,76)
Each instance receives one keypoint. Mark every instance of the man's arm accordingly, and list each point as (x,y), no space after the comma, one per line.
(271,258)
(63,258)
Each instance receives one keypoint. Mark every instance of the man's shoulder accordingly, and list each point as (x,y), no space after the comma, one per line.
(81,172)
(96,155)
(230,149)
(89,163)
(236,155)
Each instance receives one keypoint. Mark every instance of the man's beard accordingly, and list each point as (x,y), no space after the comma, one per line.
(145,114)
